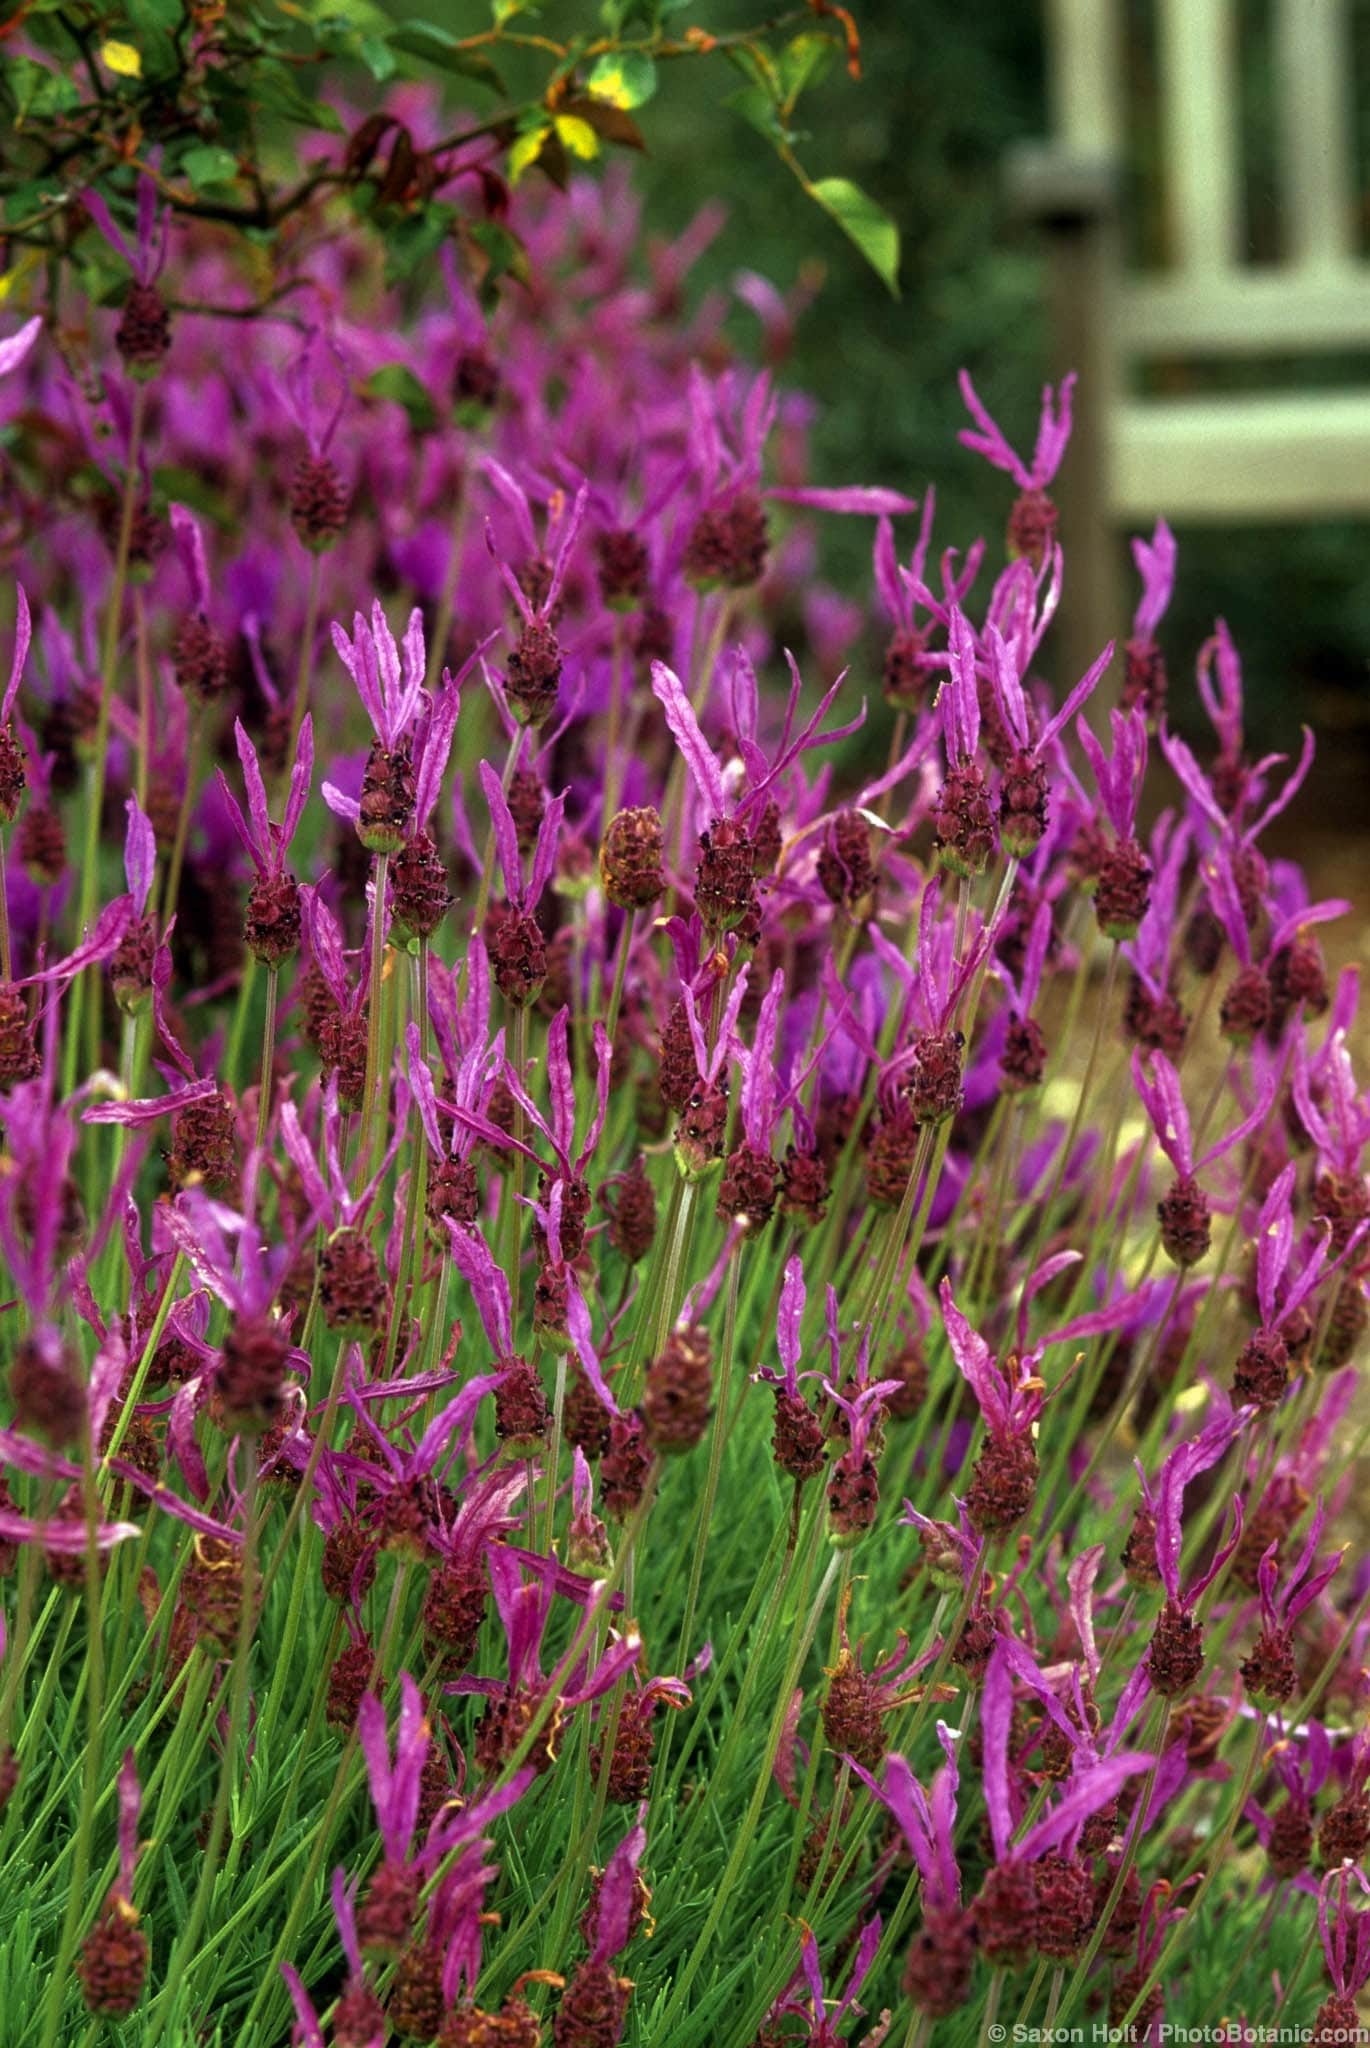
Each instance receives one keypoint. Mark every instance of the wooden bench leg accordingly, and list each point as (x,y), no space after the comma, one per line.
(1095,607)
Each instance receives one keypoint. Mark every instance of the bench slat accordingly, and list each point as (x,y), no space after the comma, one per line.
(1082,45)
(1312,71)
(1292,456)
(1199,132)
(1274,311)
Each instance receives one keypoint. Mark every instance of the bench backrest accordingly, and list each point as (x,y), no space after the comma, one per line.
(1273,451)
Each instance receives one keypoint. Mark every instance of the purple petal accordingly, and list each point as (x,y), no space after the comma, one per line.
(578,1323)
(68,1539)
(1163,1099)
(358,657)
(130,1807)
(986,439)
(325,943)
(869,500)
(976,1364)
(307,2020)
(1078,697)
(94,205)
(1254,1118)
(345,807)
(150,1109)
(140,855)
(604,1056)
(1193,778)
(1008,689)
(16,347)
(421,1083)
(699,757)
(570,528)
(996,1719)
(1274,1242)
(961,694)
(1315,913)
(886,571)
(346,1918)
(759,1078)
(506,837)
(789,1321)
(1156,567)
(256,792)
(301,1154)
(301,774)
(190,546)
(617,1897)
(545,852)
(1053,432)
(1087,1795)
(561,1084)
(23,633)
(1293,783)
(488,1285)
(1080,1576)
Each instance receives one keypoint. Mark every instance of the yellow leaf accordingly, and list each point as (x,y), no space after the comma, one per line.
(526,152)
(122,59)
(577,136)
(608,84)
(622,79)
(22,271)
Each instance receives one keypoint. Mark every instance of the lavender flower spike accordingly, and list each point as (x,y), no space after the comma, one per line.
(16,346)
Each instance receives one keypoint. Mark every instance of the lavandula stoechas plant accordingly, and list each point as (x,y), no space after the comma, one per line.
(619,1204)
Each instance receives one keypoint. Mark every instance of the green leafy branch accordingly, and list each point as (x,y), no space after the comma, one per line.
(201,96)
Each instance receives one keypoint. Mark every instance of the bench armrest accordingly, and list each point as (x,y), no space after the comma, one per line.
(1058,188)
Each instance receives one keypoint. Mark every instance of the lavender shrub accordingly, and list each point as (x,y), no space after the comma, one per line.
(684,1335)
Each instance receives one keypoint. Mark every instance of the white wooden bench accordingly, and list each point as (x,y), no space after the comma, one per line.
(1253,454)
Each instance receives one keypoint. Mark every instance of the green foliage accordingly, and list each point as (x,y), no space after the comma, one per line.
(867,224)
(124,85)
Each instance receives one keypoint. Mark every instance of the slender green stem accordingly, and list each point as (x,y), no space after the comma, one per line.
(186,1945)
(237,1032)
(143,669)
(375,998)
(90,1779)
(304,672)
(194,751)
(6,947)
(704,1517)
(447,603)
(625,947)
(268,1057)
(511,1199)
(1215,1860)
(1101,1016)
(742,1845)
(1156,1735)
(487,863)
(549,1511)
(85,985)
(613,767)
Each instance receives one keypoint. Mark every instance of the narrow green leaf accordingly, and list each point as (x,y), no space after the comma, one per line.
(865,223)
(757,109)
(38,92)
(378,58)
(806,60)
(275,89)
(397,381)
(439,47)
(206,164)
